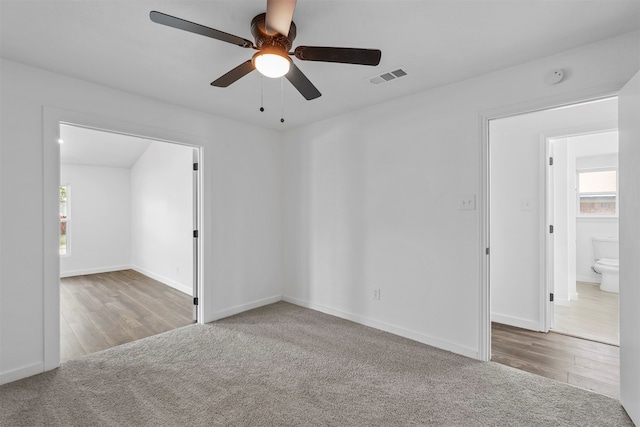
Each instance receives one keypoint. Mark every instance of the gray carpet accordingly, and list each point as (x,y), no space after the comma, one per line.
(284,365)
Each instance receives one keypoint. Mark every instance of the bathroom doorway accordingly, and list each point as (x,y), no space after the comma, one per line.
(583,199)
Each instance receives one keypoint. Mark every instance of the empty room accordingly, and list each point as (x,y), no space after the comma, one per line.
(343,230)
(127,254)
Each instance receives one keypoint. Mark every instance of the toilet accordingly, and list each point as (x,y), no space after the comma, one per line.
(605,250)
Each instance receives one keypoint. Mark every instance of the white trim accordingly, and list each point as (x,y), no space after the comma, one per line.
(596,218)
(97,270)
(387,327)
(217,315)
(51,238)
(24,372)
(545,238)
(516,321)
(587,279)
(565,99)
(187,289)
(484,297)
(563,302)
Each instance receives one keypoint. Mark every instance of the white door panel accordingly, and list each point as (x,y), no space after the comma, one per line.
(629,170)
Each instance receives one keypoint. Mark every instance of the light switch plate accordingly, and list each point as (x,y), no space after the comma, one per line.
(467,202)
(526,204)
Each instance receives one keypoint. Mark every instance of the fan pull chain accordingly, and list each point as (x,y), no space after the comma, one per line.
(261,95)
(282,99)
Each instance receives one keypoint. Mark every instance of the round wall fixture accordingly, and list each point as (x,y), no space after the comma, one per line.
(554,77)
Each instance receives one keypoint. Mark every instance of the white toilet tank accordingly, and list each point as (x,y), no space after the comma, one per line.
(605,247)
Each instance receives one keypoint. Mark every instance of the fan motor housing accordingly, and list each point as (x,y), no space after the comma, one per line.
(265,40)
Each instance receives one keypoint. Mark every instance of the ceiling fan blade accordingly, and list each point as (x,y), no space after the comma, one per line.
(302,83)
(279,16)
(181,24)
(345,55)
(234,75)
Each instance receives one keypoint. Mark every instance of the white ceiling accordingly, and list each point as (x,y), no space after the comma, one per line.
(437,42)
(82,146)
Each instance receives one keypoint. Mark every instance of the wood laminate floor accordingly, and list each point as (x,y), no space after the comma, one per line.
(587,364)
(99,311)
(593,316)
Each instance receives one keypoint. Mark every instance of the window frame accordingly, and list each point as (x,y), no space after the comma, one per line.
(66,221)
(614,193)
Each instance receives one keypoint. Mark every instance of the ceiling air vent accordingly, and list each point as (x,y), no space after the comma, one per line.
(387,77)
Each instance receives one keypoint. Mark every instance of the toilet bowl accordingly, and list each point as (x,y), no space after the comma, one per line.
(609,268)
(605,250)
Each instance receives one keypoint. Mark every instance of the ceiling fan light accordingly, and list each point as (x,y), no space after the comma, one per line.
(271,64)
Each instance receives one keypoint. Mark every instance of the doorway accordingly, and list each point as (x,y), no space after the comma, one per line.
(129,244)
(523,257)
(583,197)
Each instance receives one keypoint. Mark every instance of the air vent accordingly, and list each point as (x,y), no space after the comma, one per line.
(387,77)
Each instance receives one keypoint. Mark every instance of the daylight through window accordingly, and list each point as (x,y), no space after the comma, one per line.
(598,192)
(64,220)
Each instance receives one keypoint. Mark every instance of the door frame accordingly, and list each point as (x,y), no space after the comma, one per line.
(546,197)
(52,118)
(484,117)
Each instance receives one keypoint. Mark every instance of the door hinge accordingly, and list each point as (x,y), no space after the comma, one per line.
(551,229)
(195,234)
(195,301)
(195,166)
(550,161)
(487,251)
(551,297)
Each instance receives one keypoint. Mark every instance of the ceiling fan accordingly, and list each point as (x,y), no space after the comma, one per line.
(274,32)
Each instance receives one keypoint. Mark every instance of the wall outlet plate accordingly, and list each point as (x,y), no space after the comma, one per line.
(526,204)
(467,202)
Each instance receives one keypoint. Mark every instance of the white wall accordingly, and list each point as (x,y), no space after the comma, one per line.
(242,266)
(371,201)
(99,228)
(162,215)
(630,248)
(516,239)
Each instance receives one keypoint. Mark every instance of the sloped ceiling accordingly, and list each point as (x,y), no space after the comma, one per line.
(90,147)
(115,44)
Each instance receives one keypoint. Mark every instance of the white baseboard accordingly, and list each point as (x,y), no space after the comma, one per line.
(20,373)
(172,283)
(71,273)
(217,315)
(564,302)
(396,330)
(574,296)
(589,279)
(515,321)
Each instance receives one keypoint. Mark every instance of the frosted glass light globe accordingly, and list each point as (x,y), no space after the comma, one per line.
(271,64)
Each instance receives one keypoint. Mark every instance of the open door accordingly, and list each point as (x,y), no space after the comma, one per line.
(550,241)
(629,175)
(196,231)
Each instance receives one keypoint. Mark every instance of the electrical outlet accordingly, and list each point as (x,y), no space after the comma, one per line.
(467,202)
(376,294)
(526,204)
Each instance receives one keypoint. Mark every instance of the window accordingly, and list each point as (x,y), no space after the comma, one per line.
(598,192)
(64,220)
